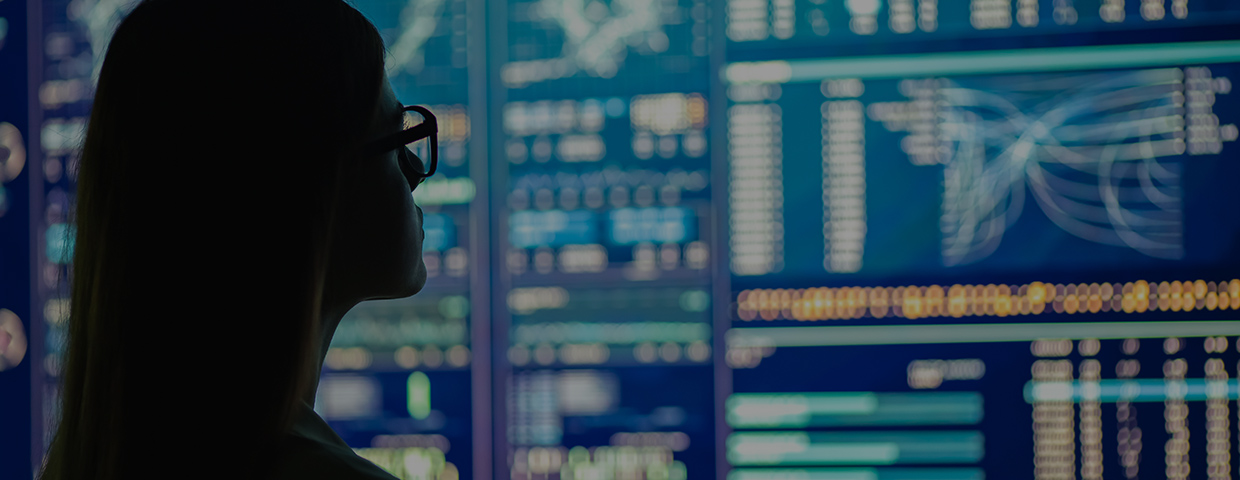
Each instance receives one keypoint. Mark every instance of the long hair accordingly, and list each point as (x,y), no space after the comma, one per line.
(203,221)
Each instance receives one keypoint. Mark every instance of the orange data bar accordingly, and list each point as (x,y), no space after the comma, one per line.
(912,302)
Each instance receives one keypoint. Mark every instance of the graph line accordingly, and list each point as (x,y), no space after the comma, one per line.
(1094,151)
(418,21)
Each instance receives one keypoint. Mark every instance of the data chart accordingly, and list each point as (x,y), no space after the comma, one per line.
(1063,167)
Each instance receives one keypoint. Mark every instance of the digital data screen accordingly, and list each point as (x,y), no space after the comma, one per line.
(776,240)
(993,262)
(765,27)
(607,243)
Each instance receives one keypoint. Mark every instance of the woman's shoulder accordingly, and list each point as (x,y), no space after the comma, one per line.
(302,458)
(313,451)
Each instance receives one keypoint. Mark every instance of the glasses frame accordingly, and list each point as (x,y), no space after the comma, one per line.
(429,128)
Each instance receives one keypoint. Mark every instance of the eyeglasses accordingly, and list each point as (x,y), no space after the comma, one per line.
(417,136)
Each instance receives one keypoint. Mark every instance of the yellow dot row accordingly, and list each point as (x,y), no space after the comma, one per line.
(607,460)
(813,304)
(408,357)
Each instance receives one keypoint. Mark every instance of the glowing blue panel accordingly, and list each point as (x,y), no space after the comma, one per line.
(529,229)
(628,226)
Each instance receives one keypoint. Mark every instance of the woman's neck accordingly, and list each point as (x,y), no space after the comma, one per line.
(330,316)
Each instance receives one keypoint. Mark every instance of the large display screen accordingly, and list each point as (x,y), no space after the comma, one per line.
(606,237)
(776,239)
(991,240)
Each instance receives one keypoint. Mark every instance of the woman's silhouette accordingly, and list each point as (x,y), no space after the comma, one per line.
(243,183)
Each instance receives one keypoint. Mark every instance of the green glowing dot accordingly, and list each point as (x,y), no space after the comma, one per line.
(419,387)
(454,306)
(578,455)
(678,471)
(695,301)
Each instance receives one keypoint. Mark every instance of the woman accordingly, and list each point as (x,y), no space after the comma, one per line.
(243,183)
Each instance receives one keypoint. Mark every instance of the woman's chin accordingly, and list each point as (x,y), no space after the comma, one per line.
(418,279)
(408,285)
